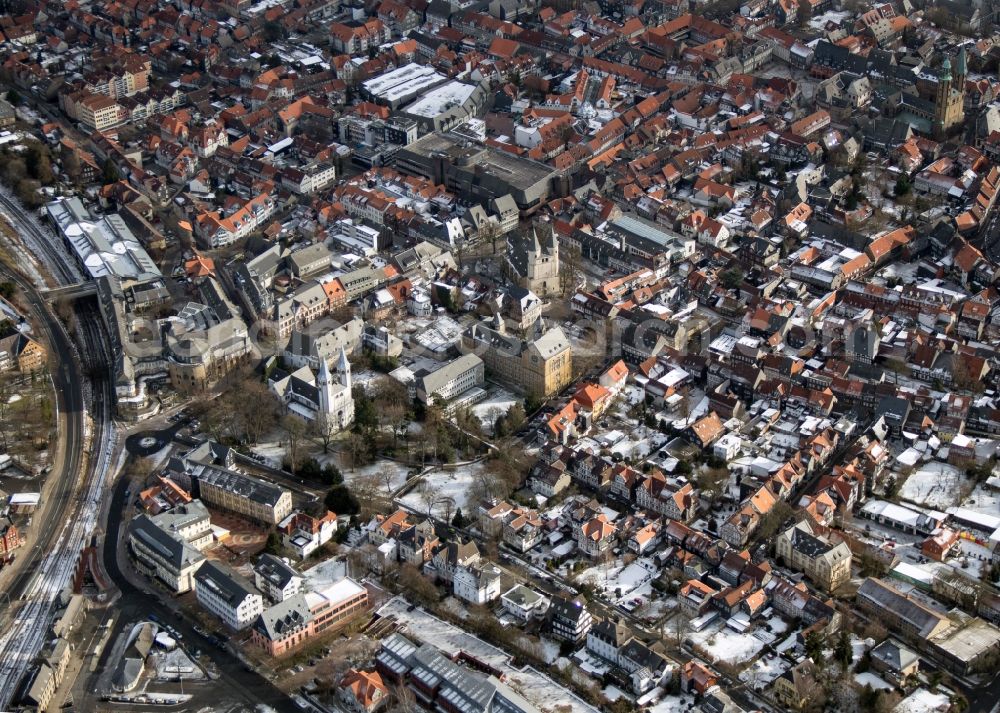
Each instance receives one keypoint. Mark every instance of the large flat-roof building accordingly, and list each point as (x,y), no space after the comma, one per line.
(103,246)
(291,623)
(452,380)
(403,84)
(444,685)
(447,105)
(479,172)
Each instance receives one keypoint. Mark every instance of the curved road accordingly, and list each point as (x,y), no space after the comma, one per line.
(68,458)
(236,684)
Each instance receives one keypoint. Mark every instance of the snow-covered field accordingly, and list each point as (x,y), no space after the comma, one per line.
(640,446)
(656,610)
(984,500)
(272,451)
(934,485)
(536,687)
(774,631)
(719,643)
(444,489)
(923,701)
(620,581)
(493,407)
(365,377)
(381,470)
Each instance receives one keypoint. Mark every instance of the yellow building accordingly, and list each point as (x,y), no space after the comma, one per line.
(826,564)
(21,352)
(244,495)
(541,366)
(797,686)
(100,112)
(949,99)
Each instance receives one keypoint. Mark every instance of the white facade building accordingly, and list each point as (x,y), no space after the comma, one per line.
(478,584)
(228,596)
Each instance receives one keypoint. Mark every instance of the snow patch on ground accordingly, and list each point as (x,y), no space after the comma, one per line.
(762,673)
(870,679)
(719,643)
(444,489)
(496,404)
(673,704)
(628,578)
(983,500)
(818,23)
(923,701)
(380,470)
(934,485)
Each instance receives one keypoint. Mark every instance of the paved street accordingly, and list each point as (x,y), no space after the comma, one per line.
(235,685)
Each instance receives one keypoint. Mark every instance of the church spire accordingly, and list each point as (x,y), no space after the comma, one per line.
(344,369)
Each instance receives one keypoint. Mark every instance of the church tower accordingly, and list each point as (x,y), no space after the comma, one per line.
(949,99)
(942,95)
(543,261)
(344,370)
(326,388)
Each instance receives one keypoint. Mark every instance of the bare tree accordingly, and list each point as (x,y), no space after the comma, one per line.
(404,700)
(257,408)
(357,449)
(713,481)
(490,233)
(366,490)
(322,431)
(295,431)
(387,475)
(448,503)
(417,586)
(429,495)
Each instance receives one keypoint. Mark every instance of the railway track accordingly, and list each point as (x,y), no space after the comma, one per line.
(47,568)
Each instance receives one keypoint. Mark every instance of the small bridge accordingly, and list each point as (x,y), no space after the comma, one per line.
(72,292)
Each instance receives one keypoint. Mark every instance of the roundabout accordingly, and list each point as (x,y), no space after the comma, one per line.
(146,443)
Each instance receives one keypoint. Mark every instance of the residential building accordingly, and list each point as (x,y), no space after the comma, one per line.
(363,691)
(606,638)
(596,537)
(227,595)
(477,584)
(21,352)
(304,534)
(523,603)
(828,565)
(277,579)
(161,554)
(569,619)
